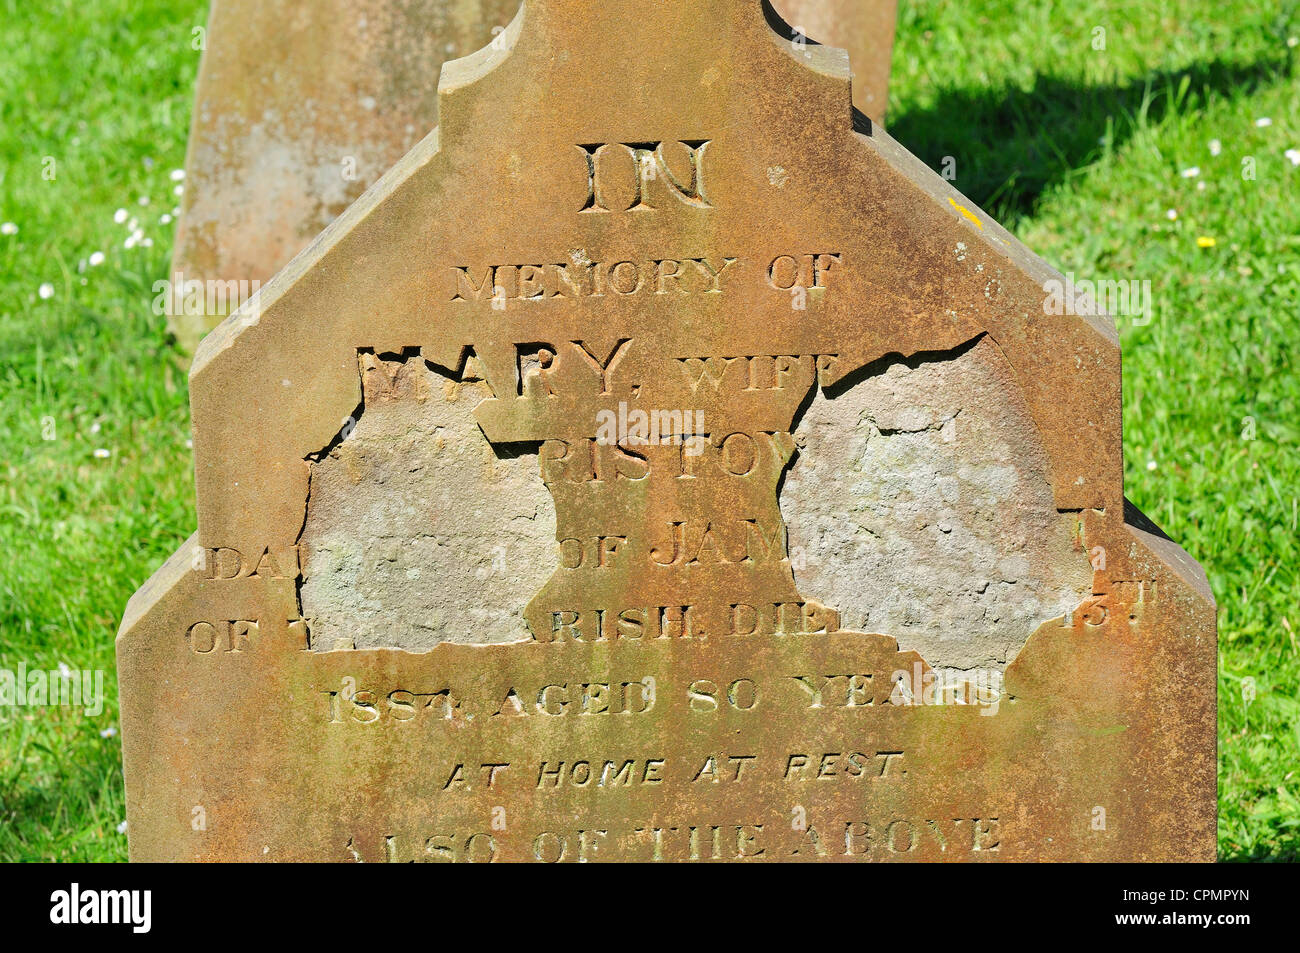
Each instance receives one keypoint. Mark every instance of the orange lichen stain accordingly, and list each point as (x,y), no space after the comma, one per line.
(966,212)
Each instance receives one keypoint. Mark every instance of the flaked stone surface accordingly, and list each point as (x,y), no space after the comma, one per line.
(919,507)
(418,531)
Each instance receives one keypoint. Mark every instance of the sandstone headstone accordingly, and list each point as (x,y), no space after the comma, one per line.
(653,466)
(302,106)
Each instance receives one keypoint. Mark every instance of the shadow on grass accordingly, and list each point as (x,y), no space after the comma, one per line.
(1010,145)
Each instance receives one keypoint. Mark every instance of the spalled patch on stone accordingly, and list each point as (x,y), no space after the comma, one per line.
(919,507)
(418,530)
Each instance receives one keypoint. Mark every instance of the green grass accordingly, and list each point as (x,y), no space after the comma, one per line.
(105,89)
(1079,151)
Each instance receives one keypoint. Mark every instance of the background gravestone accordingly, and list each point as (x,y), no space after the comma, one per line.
(302,106)
(653,466)
(863,27)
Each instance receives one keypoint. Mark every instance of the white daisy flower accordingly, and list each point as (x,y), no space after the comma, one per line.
(108,732)
(102,454)
(1191,173)
(96,258)
(1215,147)
(1263,122)
(1172,215)
(8,228)
(46,291)
(120,216)
(178,175)
(121,828)
(1293,155)
(1151,464)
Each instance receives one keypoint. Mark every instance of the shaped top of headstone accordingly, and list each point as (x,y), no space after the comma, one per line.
(301,107)
(582,189)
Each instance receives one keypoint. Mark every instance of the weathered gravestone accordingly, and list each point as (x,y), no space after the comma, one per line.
(302,106)
(653,466)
